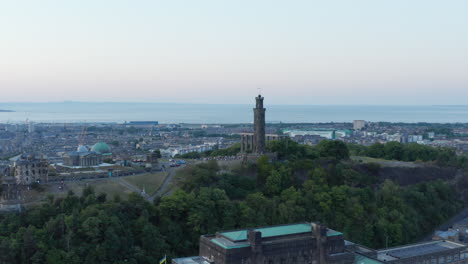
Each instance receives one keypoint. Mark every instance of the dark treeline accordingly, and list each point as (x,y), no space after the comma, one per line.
(305,184)
(411,152)
(231,151)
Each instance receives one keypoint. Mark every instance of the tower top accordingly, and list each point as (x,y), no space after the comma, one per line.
(259,100)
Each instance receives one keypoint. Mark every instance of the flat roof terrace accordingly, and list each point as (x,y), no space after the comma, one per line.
(417,250)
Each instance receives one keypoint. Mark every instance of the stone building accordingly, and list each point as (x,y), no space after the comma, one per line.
(284,244)
(256,142)
(10,189)
(153,157)
(259,125)
(248,141)
(310,243)
(82,157)
(30,168)
(9,186)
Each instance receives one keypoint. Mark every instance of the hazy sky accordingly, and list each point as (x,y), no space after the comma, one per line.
(220,51)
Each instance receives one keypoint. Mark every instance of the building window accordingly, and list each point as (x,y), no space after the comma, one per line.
(441,260)
(433,260)
(456,257)
(449,259)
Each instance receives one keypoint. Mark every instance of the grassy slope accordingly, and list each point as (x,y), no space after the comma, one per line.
(150,181)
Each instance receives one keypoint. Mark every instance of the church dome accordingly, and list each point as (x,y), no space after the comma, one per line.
(82,149)
(101,148)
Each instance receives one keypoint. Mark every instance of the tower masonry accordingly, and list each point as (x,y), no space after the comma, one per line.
(255,142)
(259,126)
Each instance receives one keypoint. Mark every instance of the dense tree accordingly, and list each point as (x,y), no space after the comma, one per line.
(333,149)
(306,184)
(415,152)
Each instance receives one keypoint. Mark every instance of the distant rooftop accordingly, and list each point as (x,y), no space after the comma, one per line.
(416,250)
(143,123)
(446,234)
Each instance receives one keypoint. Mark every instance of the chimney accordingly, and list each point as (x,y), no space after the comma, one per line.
(255,240)
(320,233)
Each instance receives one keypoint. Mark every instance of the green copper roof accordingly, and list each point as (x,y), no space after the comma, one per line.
(273,231)
(101,148)
(229,245)
(360,259)
(270,231)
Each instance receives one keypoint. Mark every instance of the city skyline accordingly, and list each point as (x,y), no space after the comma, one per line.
(364,52)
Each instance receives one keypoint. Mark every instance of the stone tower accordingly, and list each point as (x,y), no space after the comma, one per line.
(259,126)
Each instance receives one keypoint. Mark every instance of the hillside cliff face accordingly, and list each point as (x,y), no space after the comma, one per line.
(412,175)
(409,175)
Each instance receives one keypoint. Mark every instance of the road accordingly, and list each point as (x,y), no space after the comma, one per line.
(162,190)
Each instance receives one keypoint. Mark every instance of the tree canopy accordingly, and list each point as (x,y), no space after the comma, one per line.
(306,184)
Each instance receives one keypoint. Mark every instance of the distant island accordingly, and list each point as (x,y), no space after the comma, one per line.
(6,110)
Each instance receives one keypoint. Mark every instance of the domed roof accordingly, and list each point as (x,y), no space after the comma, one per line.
(82,149)
(101,148)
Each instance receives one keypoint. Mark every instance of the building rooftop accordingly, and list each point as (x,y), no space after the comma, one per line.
(274,231)
(226,243)
(446,234)
(416,250)
(269,231)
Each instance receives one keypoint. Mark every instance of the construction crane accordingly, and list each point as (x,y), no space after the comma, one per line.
(81,138)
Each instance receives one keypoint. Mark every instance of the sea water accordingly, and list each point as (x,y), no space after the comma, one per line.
(68,112)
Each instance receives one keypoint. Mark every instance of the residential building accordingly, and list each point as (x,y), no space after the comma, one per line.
(359,124)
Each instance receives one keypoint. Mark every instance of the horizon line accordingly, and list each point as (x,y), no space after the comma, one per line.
(202,103)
